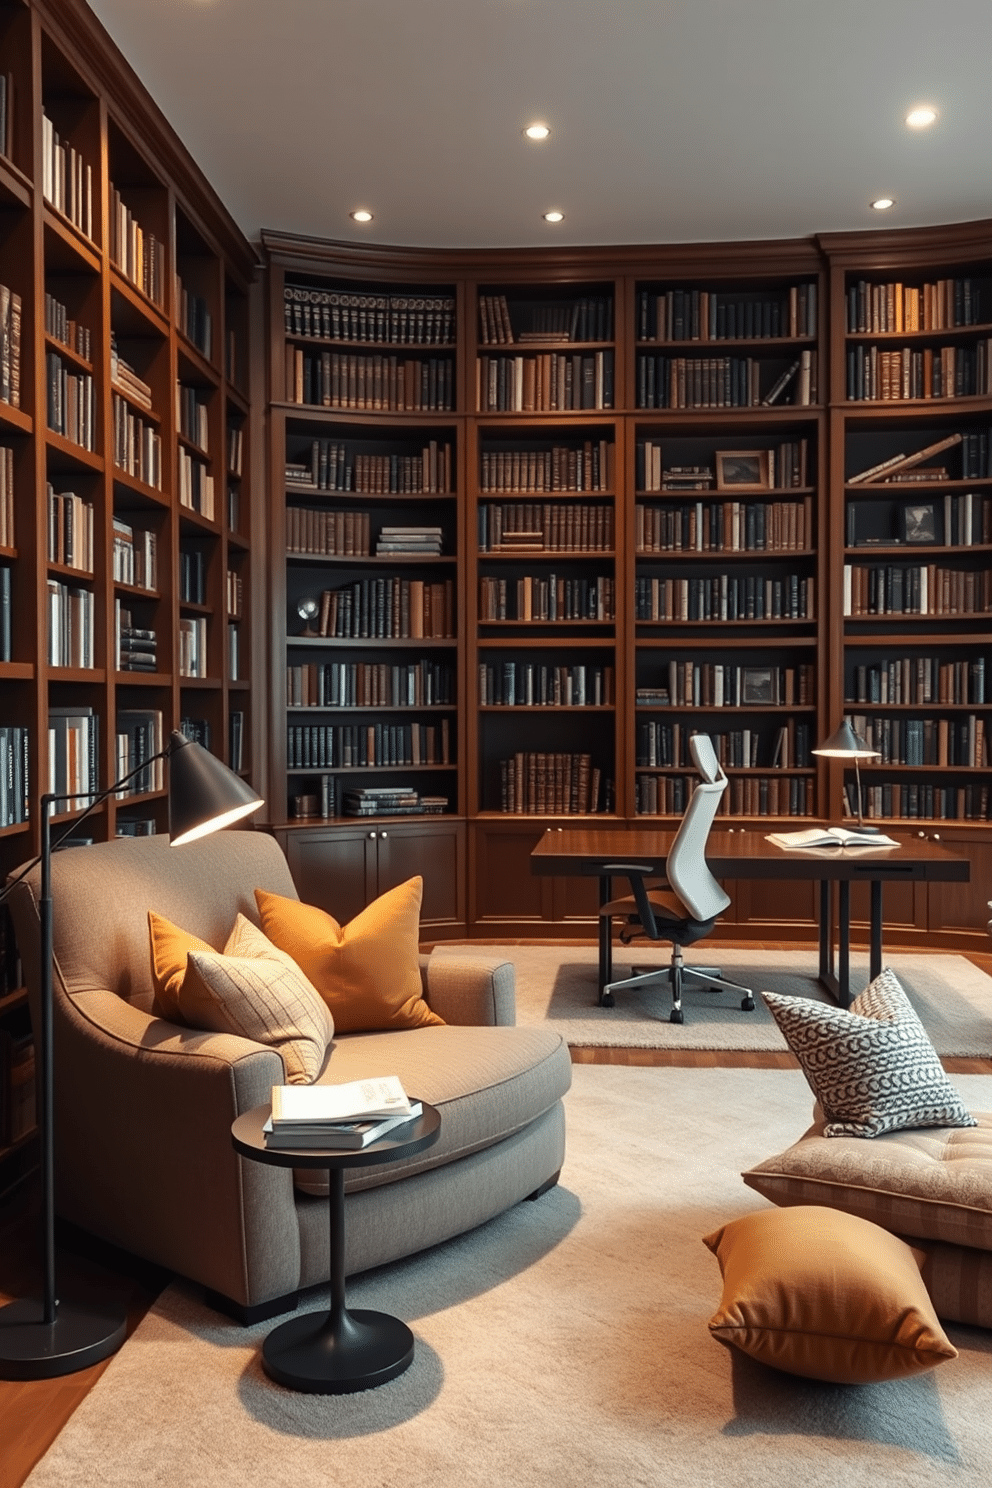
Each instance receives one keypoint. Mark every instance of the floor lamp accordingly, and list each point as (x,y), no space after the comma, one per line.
(42,1339)
(845,744)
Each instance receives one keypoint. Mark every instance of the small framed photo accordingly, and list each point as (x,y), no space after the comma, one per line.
(919,522)
(759,685)
(742,470)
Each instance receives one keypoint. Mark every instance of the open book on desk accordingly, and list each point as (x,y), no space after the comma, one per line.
(831,837)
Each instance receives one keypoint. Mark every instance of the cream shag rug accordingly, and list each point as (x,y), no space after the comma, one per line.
(557,985)
(564,1343)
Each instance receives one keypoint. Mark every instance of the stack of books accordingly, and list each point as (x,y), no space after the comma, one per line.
(386,800)
(426,540)
(348,1116)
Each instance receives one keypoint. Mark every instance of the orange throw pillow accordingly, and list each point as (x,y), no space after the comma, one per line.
(170,947)
(368,971)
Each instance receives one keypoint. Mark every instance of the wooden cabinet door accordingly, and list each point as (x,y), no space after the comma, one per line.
(333,867)
(435,851)
(959,911)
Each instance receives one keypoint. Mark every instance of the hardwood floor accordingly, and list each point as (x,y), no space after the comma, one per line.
(33,1413)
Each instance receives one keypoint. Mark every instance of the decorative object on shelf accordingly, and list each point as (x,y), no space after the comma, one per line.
(742,470)
(845,744)
(308,609)
(919,522)
(52,1337)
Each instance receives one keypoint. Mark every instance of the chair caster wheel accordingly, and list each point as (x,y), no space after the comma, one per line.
(675,1016)
(606,999)
(747,1004)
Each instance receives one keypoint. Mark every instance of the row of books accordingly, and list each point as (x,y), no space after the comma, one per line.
(135,826)
(385,800)
(6,612)
(73,754)
(917,679)
(546,527)
(136,646)
(725,526)
(389,609)
(10,347)
(545,382)
(746,795)
(126,379)
(920,799)
(725,597)
(322,802)
(874,375)
(580,467)
(548,784)
(702,315)
(70,530)
(137,444)
(195,319)
(66,179)
(236,753)
(192,646)
(959,520)
(332,534)
(234,591)
(533,684)
(895,307)
(360,745)
(192,416)
(233,651)
(370,383)
(346,315)
(707,684)
(138,739)
(551,599)
(135,555)
(785,747)
(71,624)
(588,318)
(60,326)
(781,467)
(192,575)
(974,451)
(15,784)
(918,589)
(196,484)
(6,496)
(725,381)
(139,255)
(925,741)
(70,403)
(235,448)
(332,465)
(370,684)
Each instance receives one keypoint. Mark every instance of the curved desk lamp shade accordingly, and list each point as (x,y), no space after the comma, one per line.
(845,744)
(46,1338)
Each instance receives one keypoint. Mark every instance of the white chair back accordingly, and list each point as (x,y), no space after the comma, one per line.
(686,868)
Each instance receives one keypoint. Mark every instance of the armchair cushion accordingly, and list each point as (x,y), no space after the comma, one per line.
(368,971)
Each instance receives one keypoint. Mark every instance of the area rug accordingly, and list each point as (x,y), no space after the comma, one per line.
(564,1343)
(556,985)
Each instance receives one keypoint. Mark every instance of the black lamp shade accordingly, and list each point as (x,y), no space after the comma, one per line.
(204,795)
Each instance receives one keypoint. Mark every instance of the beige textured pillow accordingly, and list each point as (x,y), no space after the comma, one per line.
(826,1295)
(255,990)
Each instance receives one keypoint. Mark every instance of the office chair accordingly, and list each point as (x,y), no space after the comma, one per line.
(688,913)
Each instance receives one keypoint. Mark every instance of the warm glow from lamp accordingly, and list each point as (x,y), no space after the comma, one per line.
(555,216)
(537,131)
(921,117)
(361,214)
(883,203)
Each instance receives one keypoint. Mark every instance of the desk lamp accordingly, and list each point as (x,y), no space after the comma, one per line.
(845,744)
(51,1337)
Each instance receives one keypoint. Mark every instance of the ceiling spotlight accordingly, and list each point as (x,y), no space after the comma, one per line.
(883,203)
(537,131)
(554,216)
(361,215)
(919,118)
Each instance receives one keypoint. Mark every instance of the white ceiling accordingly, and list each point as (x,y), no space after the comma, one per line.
(672,120)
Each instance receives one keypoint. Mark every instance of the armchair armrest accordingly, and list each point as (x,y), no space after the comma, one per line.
(471,989)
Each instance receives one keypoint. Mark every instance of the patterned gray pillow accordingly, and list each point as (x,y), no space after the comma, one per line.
(872,1067)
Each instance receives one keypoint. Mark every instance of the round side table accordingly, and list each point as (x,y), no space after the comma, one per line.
(337,1352)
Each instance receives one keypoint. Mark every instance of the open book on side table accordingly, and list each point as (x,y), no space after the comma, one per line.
(350,1116)
(831,837)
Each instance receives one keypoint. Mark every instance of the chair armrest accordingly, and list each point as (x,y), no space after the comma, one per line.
(470,989)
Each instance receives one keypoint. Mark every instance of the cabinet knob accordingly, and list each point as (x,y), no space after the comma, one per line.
(373,834)
(384,834)
(936,836)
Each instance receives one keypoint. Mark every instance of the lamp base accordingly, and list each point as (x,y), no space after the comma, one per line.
(868,830)
(82,1334)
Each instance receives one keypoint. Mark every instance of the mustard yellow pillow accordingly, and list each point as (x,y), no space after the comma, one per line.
(258,992)
(367,971)
(825,1294)
(170,946)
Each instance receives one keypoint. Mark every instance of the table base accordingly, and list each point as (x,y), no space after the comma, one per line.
(327,1355)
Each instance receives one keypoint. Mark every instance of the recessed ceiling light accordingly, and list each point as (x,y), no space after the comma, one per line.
(883,203)
(554,216)
(361,215)
(537,131)
(919,118)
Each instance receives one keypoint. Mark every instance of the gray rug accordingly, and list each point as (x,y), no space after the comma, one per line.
(557,985)
(564,1343)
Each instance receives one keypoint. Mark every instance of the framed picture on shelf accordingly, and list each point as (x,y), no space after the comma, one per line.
(742,470)
(919,522)
(758,685)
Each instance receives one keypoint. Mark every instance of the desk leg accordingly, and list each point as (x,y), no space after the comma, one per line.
(844,947)
(826,931)
(875,945)
(337,1352)
(605,937)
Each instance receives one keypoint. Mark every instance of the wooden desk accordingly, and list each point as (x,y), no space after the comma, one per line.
(588,852)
